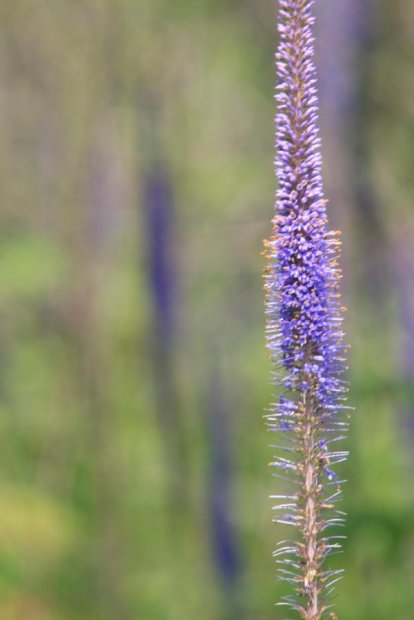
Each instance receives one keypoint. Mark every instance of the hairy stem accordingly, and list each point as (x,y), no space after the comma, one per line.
(312,495)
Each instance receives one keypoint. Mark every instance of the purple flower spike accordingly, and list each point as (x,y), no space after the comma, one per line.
(304,334)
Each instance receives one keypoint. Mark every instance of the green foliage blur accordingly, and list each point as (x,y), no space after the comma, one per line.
(111,456)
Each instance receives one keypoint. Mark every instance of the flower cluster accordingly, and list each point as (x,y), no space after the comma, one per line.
(304,334)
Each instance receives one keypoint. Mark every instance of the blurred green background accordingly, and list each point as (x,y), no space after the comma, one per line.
(136,187)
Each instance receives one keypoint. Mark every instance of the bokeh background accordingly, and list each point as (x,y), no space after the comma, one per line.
(136,187)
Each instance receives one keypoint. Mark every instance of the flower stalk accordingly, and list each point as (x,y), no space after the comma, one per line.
(304,334)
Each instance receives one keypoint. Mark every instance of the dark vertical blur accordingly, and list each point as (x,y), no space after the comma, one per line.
(161,259)
(225,550)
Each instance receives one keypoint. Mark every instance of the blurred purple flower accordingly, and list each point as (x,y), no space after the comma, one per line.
(224,539)
(160,223)
(304,334)
(160,229)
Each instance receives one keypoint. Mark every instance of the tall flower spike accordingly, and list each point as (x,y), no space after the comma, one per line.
(304,334)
